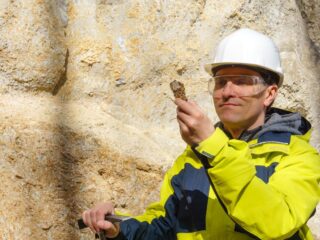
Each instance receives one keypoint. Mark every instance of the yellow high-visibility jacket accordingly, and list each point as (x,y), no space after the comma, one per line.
(266,188)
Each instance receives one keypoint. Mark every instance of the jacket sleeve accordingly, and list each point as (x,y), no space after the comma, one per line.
(159,219)
(273,210)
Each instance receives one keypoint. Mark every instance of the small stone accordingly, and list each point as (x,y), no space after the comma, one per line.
(178,90)
(120,81)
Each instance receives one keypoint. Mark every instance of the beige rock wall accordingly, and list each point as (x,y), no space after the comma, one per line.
(85,109)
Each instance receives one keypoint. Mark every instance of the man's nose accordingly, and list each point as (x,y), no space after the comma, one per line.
(228,90)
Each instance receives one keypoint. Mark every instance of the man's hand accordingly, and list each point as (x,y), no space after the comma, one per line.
(195,126)
(94,219)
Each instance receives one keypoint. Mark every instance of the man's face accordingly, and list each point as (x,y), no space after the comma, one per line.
(240,105)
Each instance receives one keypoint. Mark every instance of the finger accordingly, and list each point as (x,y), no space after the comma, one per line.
(183,128)
(93,219)
(111,229)
(192,102)
(109,208)
(106,225)
(100,215)
(195,106)
(186,119)
(87,220)
(186,107)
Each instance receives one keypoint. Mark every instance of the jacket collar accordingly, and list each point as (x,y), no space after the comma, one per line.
(278,127)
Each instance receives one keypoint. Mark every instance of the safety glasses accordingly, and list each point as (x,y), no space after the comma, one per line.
(238,85)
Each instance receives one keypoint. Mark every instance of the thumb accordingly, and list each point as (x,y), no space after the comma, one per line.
(112,230)
(192,102)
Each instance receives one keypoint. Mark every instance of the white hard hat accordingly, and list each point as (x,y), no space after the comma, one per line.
(248,48)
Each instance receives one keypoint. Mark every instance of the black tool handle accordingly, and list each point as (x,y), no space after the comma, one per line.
(81,224)
(110,218)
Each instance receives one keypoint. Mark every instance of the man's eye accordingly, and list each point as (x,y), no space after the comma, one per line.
(248,81)
(220,82)
(240,81)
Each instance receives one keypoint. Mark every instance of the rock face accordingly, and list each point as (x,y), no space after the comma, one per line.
(85,109)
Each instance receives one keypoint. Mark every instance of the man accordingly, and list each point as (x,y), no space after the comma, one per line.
(251,176)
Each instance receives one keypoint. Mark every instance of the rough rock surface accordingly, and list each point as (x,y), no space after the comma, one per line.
(85,109)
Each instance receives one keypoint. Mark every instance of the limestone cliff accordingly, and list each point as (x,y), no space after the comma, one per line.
(85,109)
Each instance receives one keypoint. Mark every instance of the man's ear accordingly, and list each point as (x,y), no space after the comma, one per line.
(271,93)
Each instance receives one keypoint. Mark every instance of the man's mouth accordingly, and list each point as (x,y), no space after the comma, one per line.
(229,104)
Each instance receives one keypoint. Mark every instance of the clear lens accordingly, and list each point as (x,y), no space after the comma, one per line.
(239,85)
